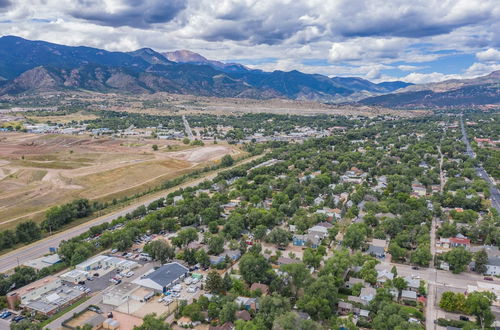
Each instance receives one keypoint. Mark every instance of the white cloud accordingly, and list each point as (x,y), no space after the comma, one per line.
(479,69)
(366,37)
(409,67)
(424,78)
(490,54)
(367,49)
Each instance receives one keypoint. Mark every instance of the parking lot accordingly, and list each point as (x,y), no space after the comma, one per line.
(164,303)
(8,316)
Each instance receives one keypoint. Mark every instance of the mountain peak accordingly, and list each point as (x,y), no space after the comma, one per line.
(185,56)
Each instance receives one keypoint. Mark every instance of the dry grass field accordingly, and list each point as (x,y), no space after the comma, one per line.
(38,171)
(78,116)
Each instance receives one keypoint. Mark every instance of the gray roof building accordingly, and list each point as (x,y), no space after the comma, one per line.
(376,251)
(164,277)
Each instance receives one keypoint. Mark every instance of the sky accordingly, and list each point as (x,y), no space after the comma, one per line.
(417,41)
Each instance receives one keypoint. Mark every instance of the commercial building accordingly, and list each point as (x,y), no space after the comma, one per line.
(119,294)
(75,276)
(43,262)
(33,290)
(163,278)
(46,296)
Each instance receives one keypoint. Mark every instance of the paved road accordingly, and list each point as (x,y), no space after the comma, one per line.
(187,128)
(495,193)
(40,248)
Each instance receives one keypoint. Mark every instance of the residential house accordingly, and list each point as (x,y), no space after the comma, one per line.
(384,275)
(355,299)
(247,303)
(243,315)
(287,261)
(319,231)
(493,266)
(367,295)
(418,190)
(319,200)
(344,308)
(459,241)
(264,289)
(232,254)
(376,251)
(443,243)
(352,281)
(331,214)
(413,283)
(225,326)
(300,240)
(325,224)
(408,295)
(185,322)
(377,248)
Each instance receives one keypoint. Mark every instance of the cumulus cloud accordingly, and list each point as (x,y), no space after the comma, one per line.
(352,37)
(362,48)
(134,13)
(479,69)
(424,78)
(490,54)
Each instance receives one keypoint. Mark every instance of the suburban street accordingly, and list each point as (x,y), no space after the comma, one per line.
(37,249)
(495,193)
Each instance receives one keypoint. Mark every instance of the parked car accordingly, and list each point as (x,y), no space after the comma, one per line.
(18,318)
(463,318)
(5,314)
(415,267)
(488,278)
(114,251)
(95,309)
(129,274)
(118,282)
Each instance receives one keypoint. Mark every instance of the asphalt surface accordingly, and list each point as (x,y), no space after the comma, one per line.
(495,193)
(37,249)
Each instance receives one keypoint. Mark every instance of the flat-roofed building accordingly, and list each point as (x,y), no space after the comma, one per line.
(75,276)
(164,277)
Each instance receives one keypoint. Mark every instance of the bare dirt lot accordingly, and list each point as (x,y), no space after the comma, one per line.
(38,171)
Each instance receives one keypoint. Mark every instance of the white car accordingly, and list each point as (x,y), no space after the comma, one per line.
(168,301)
(188,280)
(195,280)
(192,289)
(129,274)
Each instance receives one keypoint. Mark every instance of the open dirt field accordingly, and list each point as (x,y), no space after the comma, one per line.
(38,171)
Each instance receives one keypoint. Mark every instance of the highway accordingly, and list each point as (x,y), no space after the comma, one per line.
(495,193)
(39,248)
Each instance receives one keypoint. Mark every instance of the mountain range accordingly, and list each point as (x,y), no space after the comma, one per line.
(34,66)
(37,66)
(479,91)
